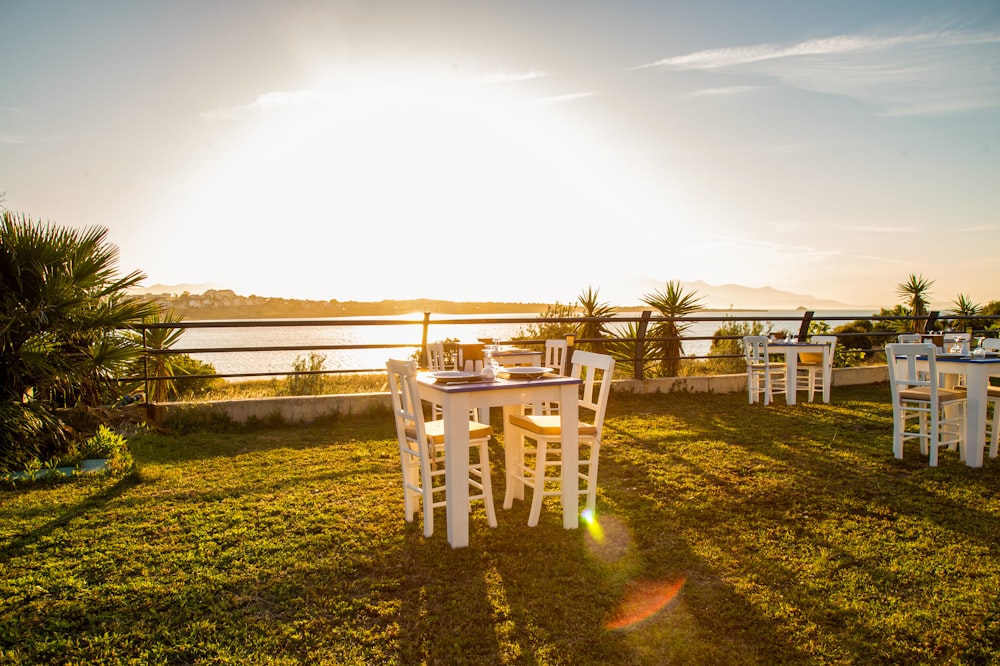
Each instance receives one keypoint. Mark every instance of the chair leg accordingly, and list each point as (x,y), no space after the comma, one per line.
(410,497)
(538,492)
(514,470)
(994,428)
(592,481)
(487,483)
(898,425)
(428,509)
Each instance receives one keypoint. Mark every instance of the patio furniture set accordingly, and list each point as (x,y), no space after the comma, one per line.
(940,399)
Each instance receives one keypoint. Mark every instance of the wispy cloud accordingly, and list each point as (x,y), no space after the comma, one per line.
(722,92)
(562,99)
(926,73)
(266,102)
(879,229)
(508,77)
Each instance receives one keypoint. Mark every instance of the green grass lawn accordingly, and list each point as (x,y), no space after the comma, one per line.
(726,534)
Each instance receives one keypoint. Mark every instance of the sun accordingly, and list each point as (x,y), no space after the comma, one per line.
(325,180)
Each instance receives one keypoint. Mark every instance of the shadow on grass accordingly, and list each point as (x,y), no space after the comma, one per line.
(740,535)
(89,504)
(794,507)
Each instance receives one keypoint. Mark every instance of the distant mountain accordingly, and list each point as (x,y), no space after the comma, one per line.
(715,297)
(738,297)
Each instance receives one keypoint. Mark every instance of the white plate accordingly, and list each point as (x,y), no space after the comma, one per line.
(453,376)
(526,373)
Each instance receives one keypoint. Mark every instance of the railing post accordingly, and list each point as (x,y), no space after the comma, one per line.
(640,342)
(145,365)
(804,328)
(568,361)
(423,340)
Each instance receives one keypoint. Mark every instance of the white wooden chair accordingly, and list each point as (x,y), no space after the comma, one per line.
(530,465)
(764,378)
(421,451)
(993,400)
(909,338)
(436,359)
(814,369)
(921,409)
(555,355)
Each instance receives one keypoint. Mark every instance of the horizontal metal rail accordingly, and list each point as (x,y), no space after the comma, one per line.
(644,321)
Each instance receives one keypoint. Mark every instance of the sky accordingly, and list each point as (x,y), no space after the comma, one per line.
(514,151)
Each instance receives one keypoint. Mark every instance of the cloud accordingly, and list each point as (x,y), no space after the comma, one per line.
(507,77)
(562,99)
(266,102)
(728,90)
(920,74)
(879,229)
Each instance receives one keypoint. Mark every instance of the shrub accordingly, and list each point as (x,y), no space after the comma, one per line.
(307,384)
(726,352)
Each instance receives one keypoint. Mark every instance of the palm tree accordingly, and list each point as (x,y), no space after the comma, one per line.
(964,307)
(160,365)
(621,346)
(671,303)
(63,315)
(592,308)
(916,294)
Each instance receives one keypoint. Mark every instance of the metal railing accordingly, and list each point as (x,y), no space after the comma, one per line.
(643,322)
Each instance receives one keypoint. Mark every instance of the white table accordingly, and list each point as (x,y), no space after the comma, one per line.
(457,399)
(790,351)
(977,372)
(518,357)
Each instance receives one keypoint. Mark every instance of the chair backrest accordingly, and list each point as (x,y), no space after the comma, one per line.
(435,356)
(406,406)
(909,337)
(596,371)
(755,349)
(829,340)
(555,355)
(903,374)
(991,344)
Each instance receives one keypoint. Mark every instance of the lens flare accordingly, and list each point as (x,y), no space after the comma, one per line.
(642,601)
(593,527)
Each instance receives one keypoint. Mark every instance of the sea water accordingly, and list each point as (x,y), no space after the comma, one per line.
(410,334)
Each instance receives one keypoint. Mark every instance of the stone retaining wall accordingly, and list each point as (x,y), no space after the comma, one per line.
(303,409)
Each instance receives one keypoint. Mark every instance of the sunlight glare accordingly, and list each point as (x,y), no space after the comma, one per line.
(642,601)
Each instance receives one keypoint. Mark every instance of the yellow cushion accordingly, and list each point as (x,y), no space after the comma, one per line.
(811,357)
(924,395)
(547,424)
(435,431)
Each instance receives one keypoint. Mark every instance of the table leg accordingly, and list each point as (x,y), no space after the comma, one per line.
(456,463)
(569,425)
(791,376)
(976,380)
(827,372)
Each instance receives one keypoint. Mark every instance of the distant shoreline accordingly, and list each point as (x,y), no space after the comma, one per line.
(226,304)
